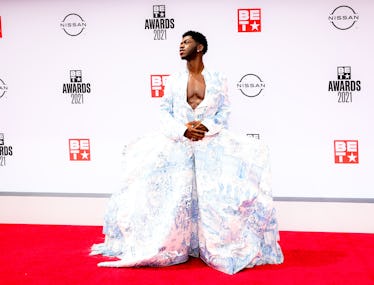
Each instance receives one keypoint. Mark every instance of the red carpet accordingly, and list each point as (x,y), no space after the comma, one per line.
(39,254)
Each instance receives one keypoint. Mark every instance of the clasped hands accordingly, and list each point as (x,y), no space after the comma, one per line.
(195,131)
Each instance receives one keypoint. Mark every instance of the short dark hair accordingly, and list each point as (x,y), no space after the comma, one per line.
(199,38)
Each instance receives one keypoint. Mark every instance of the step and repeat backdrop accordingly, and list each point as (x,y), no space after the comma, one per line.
(80,79)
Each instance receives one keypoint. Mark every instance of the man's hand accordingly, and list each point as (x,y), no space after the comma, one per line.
(195,131)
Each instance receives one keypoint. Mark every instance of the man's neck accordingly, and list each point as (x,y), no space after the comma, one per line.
(195,66)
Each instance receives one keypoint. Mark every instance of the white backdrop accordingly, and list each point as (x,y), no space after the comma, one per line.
(296,54)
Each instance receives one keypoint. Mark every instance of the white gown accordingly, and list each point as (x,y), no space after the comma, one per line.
(210,199)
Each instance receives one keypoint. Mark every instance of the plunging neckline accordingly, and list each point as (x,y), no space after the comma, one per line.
(205,91)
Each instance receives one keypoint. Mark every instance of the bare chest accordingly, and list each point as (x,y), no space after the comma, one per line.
(195,90)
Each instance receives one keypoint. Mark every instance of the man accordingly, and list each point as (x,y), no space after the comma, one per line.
(192,51)
(196,189)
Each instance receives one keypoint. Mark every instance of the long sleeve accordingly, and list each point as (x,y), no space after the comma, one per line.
(213,111)
(220,119)
(170,126)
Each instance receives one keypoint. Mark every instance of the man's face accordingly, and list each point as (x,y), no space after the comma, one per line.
(188,48)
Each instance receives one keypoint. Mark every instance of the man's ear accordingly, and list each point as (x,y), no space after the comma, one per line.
(200,48)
